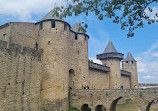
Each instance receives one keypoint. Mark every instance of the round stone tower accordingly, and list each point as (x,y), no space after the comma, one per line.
(53,37)
(130,64)
(79,56)
(111,58)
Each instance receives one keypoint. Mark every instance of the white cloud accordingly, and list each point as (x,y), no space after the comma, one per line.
(142,67)
(147,64)
(23,9)
(149,77)
(95,60)
(152,14)
(155,54)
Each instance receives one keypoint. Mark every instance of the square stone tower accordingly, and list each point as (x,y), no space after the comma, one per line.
(130,64)
(111,58)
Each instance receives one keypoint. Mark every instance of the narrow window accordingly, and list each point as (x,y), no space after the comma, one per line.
(132,62)
(78,52)
(75,36)
(53,24)
(41,26)
(85,37)
(36,46)
(48,42)
(4,37)
(65,26)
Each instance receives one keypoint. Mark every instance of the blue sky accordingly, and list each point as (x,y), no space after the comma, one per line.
(143,46)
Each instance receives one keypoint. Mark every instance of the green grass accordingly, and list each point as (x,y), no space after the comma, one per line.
(154,107)
(128,106)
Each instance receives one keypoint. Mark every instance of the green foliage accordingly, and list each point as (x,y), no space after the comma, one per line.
(129,13)
(89,109)
(73,109)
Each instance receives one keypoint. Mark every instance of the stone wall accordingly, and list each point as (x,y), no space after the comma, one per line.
(131,67)
(20,78)
(115,73)
(125,81)
(98,79)
(24,34)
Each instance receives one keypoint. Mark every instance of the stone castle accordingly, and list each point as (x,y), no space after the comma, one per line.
(40,62)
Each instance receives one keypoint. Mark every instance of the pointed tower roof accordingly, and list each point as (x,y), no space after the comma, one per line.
(110,52)
(110,48)
(76,27)
(129,57)
(52,15)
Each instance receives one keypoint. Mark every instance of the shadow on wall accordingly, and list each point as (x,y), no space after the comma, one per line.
(152,103)
(85,107)
(114,103)
(100,108)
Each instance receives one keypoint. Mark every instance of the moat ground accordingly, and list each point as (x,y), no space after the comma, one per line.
(128,106)
(131,106)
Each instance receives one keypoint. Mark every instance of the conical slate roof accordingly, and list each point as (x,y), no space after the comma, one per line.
(76,27)
(51,16)
(110,52)
(129,57)
(110,48)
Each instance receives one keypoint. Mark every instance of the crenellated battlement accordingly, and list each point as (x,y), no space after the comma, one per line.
(60,27)
(15,49)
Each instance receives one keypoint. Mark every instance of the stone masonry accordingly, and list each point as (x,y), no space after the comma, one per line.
(40,63)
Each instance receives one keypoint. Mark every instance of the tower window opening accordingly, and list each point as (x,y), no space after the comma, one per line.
(78,52)
(48,42)
(132,62)
(36,46)
(4,37)
(85,37)
(76,37)
(41,26)
(53,24)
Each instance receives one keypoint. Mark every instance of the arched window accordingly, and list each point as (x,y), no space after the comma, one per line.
(53,24)
(71,79)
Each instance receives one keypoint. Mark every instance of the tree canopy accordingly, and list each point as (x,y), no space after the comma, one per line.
(131,14)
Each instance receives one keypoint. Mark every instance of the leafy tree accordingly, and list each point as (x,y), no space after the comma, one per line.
(129,13)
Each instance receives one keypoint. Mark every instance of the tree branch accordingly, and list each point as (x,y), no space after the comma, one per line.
(149,3)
